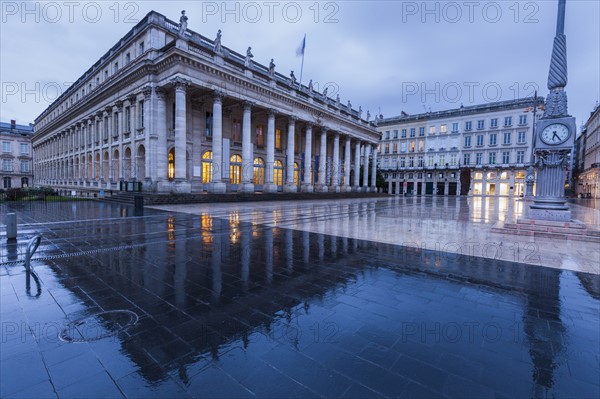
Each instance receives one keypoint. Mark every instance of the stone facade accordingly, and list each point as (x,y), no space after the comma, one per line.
(169,110)
(17,160)
(476,150)
(587,163)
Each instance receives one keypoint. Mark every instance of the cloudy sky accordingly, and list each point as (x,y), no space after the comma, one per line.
(391,56)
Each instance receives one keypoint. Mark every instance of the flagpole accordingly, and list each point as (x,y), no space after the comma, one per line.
(302,65)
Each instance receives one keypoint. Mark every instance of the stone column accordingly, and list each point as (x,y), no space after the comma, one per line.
(180,135)
(357,166)
(217,186)
(335,170)
(390,186)
(119,133)
(269,186)
(148,131)
(347,151)
(289,186)
(365,183)
(374,171)
(247,185)
(323,162)
(133,123)
(307,186)
(161,131)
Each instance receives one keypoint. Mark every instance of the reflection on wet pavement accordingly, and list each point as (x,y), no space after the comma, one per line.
(235,307)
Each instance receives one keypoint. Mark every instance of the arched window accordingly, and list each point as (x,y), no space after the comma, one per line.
(24,182)
(259,171)
(491,176)
(296,174)
(235,169)
(278,173)
(171,164)
(207,167)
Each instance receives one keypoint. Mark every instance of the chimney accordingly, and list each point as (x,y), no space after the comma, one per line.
(13,124)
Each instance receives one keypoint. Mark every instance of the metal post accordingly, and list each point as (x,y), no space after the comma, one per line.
(11,226)
(32,246)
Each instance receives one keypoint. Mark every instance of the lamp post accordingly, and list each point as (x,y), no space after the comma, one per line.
(530,175)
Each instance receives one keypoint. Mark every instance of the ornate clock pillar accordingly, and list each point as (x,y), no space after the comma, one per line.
(555,136)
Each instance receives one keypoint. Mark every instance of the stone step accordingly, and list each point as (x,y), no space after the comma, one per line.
(580,230)
(588,235)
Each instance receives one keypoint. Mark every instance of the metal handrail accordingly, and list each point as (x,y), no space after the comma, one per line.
(32,246)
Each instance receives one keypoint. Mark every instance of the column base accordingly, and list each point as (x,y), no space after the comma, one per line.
(322,189)
(356,189)
(334,189)
(549,214)
(290,188)
(246,188)
(163,186)
(346,189)
(269,188)
(217,188)
(181,187)
(307,188)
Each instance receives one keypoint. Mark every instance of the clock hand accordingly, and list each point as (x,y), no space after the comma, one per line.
(555,135)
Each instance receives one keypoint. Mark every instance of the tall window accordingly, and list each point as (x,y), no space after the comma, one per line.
(395,134)
(522,119)
(508,121)
(455,127)
(421,131)
(505,157)
(236,131)
(24,148)
(521,138)
(235,169)
(492,158)
(6,146)
(24,166)
(478,158)
(6,165)
(127,58)
(259,171)
(278,173)
(296,174)
(208,125)
(411,162)
(412,132)
(468,125)
(7,182)
(493,139)
(387,134)
(480,124)
(403,133)
(494,122)
(141,47)
(171,164)
(431,129)
(467,141)
(442,160)
(479,139)
(278,139)
(116,124)
(207,167)
(127,119)
(467,159)
(443,129)
(420,163)
(506,138)
(453,159)
(24,182)
(430,160)
(259,135)
(141,112)
(520,156)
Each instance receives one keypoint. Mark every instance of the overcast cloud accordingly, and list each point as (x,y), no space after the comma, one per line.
(389,55)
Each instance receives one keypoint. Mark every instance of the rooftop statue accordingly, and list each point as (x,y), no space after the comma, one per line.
(182,23)
(248,60)
(218,48)
(271,68)
(292,77)
(325,92)
(310,85)
(368,115)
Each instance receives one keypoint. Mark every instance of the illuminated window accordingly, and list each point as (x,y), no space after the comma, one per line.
(278,173)
(278,139)
(443,129)
(259,171)
(171,165)
(207,169)
(259,135)
(235,169)
(296,174)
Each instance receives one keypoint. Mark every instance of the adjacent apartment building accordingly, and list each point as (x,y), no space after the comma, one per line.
(17,157)
(169,110)
(586,177)
(476,150)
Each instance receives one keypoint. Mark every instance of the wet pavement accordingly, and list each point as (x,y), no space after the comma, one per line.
(235,303)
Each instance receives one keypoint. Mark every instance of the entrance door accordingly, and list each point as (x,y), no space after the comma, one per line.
(440,188)
(419,188)
(465,181)
(452,188)
(491,189)
(429,188)
(410,187)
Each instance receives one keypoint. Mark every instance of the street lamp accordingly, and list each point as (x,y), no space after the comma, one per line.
(530,175)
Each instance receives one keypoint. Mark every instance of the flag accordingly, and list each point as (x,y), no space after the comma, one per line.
(300,50)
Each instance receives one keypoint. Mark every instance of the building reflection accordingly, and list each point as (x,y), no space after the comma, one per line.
(230,277)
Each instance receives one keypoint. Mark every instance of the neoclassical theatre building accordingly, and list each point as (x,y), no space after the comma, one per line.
(481,149)
(168,110)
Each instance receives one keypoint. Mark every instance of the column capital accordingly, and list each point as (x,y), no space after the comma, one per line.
(308,125)
(119,105)
(336,135)
(180,84)
(292,119)
(271,112)
(108,109)
(161,92)
(247,105)
(217,96)
(132,98)
(147,92)
(324,130)
(99,114)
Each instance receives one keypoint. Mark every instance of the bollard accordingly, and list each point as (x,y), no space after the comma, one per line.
(11,226)
(138,205)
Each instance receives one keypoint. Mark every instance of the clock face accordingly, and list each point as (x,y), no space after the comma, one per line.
(555,134)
